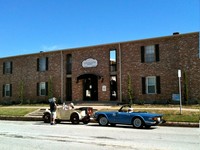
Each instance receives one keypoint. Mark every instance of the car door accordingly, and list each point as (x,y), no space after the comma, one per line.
(65,114)
(123,118)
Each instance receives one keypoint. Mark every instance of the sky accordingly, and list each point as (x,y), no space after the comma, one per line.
(31,26)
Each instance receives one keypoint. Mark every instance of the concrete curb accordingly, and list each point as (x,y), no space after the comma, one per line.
(172,124)
(181,124)
(12,118)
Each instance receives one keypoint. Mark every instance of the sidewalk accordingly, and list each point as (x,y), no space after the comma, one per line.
(37,115)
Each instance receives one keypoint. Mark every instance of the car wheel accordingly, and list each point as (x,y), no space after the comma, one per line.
(86,121)
(46,118)
(147,126)
(103,121)
(112,124)
(137,123)
(58,121)
(74,118)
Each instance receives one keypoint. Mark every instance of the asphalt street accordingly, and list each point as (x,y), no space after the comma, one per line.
(35,135)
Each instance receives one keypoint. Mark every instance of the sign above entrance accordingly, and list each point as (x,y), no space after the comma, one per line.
(89,63)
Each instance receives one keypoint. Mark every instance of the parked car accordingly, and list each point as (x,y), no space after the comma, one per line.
(77,115)
(126,115)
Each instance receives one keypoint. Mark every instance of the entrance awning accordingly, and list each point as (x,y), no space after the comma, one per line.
(85,76)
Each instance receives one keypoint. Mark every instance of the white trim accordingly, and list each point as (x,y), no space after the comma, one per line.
(7,89)
(42,86)
(147,85)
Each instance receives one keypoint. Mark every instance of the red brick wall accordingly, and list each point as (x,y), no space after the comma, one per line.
(176,52)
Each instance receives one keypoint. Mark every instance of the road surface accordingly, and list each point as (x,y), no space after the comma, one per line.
(21,135)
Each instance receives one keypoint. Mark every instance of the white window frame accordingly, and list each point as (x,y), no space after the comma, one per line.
(149,55)
(42,86)
(7,90)
(148,85)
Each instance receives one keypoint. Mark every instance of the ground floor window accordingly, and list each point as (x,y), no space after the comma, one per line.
(113,87)
(151,85)
(42,89)
(69,89)
(7,90)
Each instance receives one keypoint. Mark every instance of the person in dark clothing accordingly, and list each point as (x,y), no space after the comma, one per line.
(53,106)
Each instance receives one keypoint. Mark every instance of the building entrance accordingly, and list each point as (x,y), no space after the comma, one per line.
(90,87)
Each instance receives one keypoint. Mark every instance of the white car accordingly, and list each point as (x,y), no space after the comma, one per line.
(77,115)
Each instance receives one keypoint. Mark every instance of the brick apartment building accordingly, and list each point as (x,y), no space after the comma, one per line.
(102,72)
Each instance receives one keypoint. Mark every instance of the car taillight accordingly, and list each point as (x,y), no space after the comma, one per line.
(89,111)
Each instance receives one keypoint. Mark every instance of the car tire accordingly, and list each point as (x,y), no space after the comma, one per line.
(46,118)
(137,122)
(74,118)
(112,124)
(103,121)
(86,121)
(147,126)
(58,121)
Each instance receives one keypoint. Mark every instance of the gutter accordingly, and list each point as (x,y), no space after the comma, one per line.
(199,45)
(120,74)
(169,124)
(61,76)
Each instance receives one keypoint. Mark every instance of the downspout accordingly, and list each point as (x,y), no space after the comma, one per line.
(61,76)
(199,44)
(120,74)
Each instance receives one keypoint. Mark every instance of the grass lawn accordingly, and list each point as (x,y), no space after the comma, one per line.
(8,111)
(174,115)
(170,115)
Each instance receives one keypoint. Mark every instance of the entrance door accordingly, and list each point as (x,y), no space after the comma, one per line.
(90,88)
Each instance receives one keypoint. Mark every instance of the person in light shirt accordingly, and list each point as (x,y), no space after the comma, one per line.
(68,107)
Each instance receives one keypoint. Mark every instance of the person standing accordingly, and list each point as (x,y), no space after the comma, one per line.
(53,107)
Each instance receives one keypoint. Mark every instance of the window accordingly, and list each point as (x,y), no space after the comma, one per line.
(113,60)
(42,64)
(113,87)
(69,89)
(150,53)
(69,64)
(7,90)
(7,67)
(42,89)
(151,85)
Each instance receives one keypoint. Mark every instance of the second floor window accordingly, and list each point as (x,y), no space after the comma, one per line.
(69,64)
(150,53)
(7,67)
(113,60)
(42,64)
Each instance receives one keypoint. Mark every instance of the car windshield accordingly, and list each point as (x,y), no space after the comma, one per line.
(126,108)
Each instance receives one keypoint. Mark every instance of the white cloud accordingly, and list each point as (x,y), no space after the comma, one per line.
(49,48)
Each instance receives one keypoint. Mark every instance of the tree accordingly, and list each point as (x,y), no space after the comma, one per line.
(130,90)
(21,91)
(186,96)
(50,87)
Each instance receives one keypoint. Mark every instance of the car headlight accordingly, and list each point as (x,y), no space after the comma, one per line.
(156,119)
